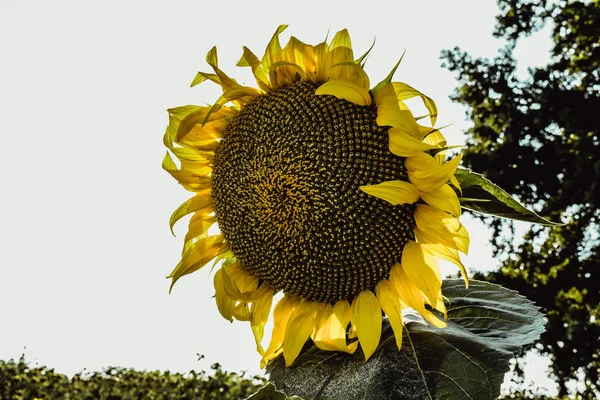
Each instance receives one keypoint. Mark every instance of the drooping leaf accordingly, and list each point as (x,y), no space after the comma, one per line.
(481,195)
(487,325)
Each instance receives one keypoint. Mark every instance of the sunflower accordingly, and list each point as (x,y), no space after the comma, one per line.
(325,190)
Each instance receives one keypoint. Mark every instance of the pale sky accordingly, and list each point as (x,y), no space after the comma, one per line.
(84,88)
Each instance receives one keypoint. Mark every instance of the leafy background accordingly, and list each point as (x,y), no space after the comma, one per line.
(539,139)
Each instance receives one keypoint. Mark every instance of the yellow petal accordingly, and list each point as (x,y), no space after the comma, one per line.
(199,225)
(341,39)
(366,316)
(404,92)
(349,71)
(190,121)
(284,72)
(438,227)
(448,254)
(260,311)
(321,68)
(394,192)
(320,335)
(304,56)
(340,318)
(205,76)
(193,175)
(390,304)
(273,51)
(225,81)
(425,173)
(225,305)
(299,327)
(433,136)
(243,280)
(422,269)
(281,314)
(404,145)
(241,312)
(234,292)
(191,181)
(346,90)
(197,256)
(330,333)
(260,73)
(443,198)
(411,295)
(336,56)
(176,115)
(392,112)
(200,201)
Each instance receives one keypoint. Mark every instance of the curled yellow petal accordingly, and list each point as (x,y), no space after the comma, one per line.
(284,72)
(394,113)
(346,90)
(411,295)
(390,304)
(199,225)
(200,201)
(404,92)
(404,145)
(260,311)
(320,335)
(425,173)
(303,55)
(234,292)
(299,327)
(273,51)
(443,198)
(241,312)
(422,269)
(260,73)
(198,255)
(394,192)
(225,305)
(366,316)
(330,332)
(225,81)
(281,314)
(448,254)
(243,280)
(438,227)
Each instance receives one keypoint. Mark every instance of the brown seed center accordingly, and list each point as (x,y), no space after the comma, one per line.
(286,183)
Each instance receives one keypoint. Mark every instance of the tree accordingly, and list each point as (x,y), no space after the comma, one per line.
(539,139)
(19,381)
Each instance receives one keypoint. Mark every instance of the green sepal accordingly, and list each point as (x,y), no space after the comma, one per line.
(390,76)
(481,195)
(362,60)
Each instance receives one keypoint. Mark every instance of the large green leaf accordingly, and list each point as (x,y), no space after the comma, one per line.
(481,195)
(487,325)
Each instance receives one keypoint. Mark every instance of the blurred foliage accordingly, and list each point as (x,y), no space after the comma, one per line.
(539,138)
(19,381)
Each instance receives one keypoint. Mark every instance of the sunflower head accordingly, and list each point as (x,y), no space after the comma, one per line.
(324,190)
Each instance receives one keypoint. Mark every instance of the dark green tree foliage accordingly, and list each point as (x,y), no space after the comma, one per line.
(19,381)
(539,139)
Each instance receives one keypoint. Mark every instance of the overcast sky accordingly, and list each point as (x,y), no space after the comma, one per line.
(84,88)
